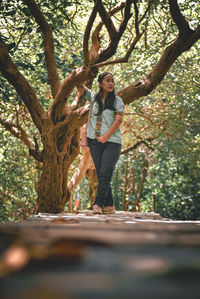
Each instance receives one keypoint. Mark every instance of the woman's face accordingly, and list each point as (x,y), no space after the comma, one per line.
(107,84)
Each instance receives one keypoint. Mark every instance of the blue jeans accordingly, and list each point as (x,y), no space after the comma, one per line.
(105,157)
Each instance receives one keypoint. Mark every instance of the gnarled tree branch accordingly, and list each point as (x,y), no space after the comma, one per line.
(127,16)
(87,33)
(75,78)
(17,131)
(138,34)
(93,53)
(53,76)
(20,133)
(179,19)
(107,20)
(153,79)
(21,85)
(136,17)
(115,35)
(137,144)
(146,11)
(122,59)
(84,165)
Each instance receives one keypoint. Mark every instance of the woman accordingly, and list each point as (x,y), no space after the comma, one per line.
(104,137)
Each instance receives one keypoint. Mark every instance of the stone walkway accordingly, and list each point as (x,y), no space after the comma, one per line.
(125,255)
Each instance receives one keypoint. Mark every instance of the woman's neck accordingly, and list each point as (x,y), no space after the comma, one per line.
(104,96)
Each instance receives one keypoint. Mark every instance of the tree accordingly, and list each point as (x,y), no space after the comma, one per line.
(17,180)
(59,127)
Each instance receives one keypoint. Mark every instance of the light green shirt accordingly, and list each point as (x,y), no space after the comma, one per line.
(108,117)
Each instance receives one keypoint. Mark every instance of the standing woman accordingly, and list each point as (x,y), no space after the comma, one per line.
(104,137)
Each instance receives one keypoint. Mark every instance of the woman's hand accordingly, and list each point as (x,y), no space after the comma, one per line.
(113,128)
(102,139)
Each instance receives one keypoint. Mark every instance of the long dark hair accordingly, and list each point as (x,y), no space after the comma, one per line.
(110,99)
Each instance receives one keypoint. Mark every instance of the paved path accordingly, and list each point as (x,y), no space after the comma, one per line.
(125,255)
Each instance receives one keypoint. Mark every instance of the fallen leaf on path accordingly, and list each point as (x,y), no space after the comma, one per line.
(62,220)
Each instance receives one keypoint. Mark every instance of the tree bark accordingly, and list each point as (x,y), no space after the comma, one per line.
(53,191)
(59,128)
(154,78)
(52,70)
(125,187)
(141,185)
(91,176)
(85,164)
(21,85)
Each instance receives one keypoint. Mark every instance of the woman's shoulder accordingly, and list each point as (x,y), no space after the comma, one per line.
(119,104)
(118,98)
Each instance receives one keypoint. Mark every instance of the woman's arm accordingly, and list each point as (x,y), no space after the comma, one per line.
(113,128)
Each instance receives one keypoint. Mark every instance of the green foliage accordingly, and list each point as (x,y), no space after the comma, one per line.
(174,174)
(175,184)
(17,180)
(85,201)
(174,155)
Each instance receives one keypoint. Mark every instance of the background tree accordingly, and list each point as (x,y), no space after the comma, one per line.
(56,119)
(174,172)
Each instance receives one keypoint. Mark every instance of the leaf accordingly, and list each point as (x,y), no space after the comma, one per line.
(65,221)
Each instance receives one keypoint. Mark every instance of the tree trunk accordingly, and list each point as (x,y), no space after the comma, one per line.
(60,149)
(91,176)
(140,190)
(60,137)
(85,164)
(124,206)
